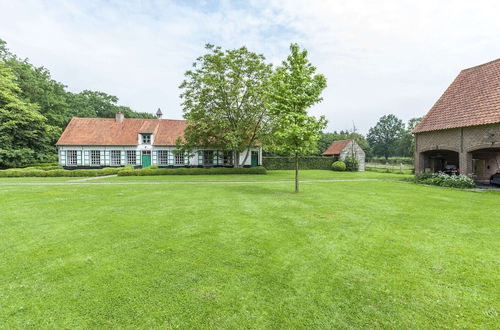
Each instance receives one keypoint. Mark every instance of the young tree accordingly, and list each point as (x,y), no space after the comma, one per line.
(384,137)
(223,100)
(294,88)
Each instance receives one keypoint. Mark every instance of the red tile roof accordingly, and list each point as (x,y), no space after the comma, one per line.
(336,147)
(104,131)
(472,99)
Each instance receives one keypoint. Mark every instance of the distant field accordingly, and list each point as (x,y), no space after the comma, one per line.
(389,168)
(352,254)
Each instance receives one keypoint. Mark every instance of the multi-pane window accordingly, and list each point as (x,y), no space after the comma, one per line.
(116,157)
(208,157)
(162,157)
(146,138)
(131,157)
(72,158)
(179,159)
(227,158)
(95,157)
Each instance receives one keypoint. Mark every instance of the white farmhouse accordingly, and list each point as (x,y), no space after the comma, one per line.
(108,142)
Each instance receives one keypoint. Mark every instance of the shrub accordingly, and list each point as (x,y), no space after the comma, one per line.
(445,180)
(192,171)
(153,167)
(339,166)
(305,163)
(37,172)
(351,163)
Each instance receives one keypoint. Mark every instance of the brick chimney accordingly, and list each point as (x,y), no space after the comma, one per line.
(119,117)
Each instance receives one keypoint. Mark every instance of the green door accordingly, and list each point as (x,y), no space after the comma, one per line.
(146,159)
(255,158)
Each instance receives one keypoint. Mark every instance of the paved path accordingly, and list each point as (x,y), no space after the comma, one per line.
(81,182)
(94,178)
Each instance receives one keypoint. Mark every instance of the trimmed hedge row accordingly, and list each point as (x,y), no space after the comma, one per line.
(305,163)
(125,171)
(33,172)
(191,171)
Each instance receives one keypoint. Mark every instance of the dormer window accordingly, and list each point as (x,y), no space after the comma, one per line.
(146,138)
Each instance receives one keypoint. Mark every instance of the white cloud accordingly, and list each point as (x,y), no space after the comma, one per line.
(379,56)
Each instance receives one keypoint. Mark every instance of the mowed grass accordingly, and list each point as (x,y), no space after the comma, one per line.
(375,254)
(276,175)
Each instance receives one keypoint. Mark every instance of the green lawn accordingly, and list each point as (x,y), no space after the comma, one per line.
(372,254)
(271,176)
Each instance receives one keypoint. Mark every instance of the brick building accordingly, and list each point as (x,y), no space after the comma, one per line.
(463,127)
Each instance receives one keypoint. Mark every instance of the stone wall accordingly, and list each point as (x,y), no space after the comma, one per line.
(358,152)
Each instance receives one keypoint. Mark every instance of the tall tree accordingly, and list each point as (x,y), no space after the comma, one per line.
(384,137)
(407,143)
(294,88)
(25,135)
(223,100)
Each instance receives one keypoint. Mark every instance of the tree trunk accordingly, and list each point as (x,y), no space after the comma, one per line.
(296,173)
(246,157)
(236,158)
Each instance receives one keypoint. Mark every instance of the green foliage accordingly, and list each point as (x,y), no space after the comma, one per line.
(25,136)
(352,163)
(327,138)
(34,109)
(294,88)
(223,99)
(43,172)
(339,166)
(444,180)
(391,160)
(305,163)
(192,171)
(407,142)
(385,136)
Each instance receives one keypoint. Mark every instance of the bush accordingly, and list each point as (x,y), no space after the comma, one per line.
(351,163)
(445,180)
(192,171)
(339,166)
(37,172)
(305,163)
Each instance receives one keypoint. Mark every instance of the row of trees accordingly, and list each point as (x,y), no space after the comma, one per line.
(34,109)
(389,137)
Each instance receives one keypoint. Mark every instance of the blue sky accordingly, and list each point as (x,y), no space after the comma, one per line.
(379,57)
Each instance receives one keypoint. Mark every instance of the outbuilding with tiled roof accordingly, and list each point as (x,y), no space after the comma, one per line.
(461,132)
(342,149)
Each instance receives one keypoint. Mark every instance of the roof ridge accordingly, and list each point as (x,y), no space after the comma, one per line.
(480,65)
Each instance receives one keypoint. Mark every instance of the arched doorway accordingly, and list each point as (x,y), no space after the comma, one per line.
(439,160)
(485,163)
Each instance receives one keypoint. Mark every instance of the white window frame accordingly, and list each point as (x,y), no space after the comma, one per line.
(129,157)
(95,157)
(146,138)
(179,159)
(72,157)
(113,158)
(162,157)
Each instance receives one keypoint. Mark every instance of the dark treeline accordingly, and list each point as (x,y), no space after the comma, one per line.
(34,109)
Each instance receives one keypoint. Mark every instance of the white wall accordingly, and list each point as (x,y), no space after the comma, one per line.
(84,152)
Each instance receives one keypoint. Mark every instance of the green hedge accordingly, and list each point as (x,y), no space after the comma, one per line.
(35,172)
(391,160)
(305,163)
(191,171)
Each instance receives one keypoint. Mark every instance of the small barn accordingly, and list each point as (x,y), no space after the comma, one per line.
(342,149)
